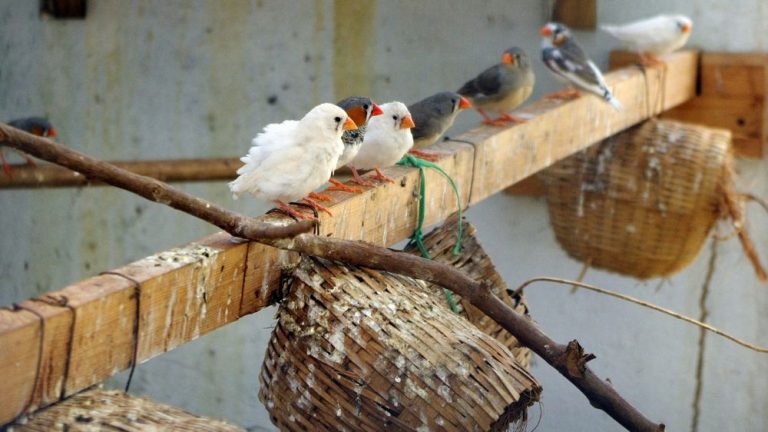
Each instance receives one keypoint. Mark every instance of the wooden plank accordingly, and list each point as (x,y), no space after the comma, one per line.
(189,291)
(170,170)
(732,95)
(578,14)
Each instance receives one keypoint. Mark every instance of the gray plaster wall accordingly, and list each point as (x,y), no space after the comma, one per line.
(170,79)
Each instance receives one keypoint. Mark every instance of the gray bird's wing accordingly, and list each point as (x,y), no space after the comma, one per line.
(569,60)
(488,83)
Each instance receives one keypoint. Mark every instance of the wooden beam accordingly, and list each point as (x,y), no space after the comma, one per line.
(731,95)
(578,14)
(88,331)
(172,170)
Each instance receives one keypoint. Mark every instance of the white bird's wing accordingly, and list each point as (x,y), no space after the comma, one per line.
(646,34)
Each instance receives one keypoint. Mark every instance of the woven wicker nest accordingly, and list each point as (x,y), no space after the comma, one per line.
(643,202)
(474,262)
(361,350)
(110,410)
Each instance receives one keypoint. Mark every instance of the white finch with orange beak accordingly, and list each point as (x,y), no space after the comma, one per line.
(387,140)
(654,36)
(289,160)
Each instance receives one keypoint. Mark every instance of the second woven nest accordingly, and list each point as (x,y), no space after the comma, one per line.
(643,202)
(363,350)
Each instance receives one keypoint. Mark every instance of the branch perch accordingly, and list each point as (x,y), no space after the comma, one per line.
(570,360)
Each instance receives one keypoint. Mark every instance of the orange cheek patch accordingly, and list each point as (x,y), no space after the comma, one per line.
(357,114)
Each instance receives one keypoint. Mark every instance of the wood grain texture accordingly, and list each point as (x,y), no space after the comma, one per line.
(189,291)
(578,14)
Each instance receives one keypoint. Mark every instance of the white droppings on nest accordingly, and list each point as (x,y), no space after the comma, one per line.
(675,135)
(412,390)
(445,392)
(631,228)
(184,255)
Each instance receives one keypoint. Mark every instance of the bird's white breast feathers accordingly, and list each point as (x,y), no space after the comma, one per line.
(659,35)
(384,144)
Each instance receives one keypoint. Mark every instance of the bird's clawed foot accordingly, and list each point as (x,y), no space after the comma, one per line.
(356,178)
(432,157)
(285,208)
(565,94)
(317,206)
(383,177)
(650,59)
(320,196)
(339,186)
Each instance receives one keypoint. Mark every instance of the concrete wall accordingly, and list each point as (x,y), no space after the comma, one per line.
(163,79)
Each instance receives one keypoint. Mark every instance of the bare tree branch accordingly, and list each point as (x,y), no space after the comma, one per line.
(154,190)
(570,360)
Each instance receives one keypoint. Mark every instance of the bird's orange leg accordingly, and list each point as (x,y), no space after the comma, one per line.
(320,196)
(383,177)
(285,208)
(339,186)
(510,118)
(432,157)
(567,93)
(6,166)
(650,59)
(27,158)
(487,120)
(356,178)
(315,205)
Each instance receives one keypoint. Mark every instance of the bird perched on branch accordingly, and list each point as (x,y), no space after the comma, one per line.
(39,126)
(567,60)
(502,87)
(433,116)
(360,109)
(654,36)
(289,160)
(387,140)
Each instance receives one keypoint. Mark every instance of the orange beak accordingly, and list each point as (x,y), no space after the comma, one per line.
(376,110)
(464,103)
(508,58)
(350,124)
(52,133)
(686,27)
(407,123)
(545,31)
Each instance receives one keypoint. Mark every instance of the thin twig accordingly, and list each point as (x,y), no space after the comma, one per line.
(570,360)
(643,303)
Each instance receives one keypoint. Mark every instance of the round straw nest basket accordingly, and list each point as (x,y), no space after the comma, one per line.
(361,350)
(642,202)
(475,263)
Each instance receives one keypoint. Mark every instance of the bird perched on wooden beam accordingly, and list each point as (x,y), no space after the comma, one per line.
(39,126)
(289,160)
(502,87)
(387,140)
(360,109)
(653,36)
(567,60)
(433,116)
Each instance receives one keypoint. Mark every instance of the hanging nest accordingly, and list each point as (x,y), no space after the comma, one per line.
(475,263)
(361,350)
(643,202)
(110,410)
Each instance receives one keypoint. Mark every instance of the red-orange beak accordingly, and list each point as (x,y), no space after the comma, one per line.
(545,31)
(350,124)
(686,27)
(376,110)
(52,133)
(407,123)
(464,103)
(508,58)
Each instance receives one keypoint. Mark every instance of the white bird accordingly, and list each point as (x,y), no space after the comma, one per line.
(289,160)
(387,140)
(654,36)
(567,60)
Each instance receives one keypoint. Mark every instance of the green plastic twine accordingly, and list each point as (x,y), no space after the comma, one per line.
(418,234)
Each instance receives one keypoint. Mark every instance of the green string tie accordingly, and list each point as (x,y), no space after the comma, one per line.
(417,237)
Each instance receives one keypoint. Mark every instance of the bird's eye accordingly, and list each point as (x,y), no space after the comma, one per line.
(394,117)
(365,107)
(453,101)
(337,119)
